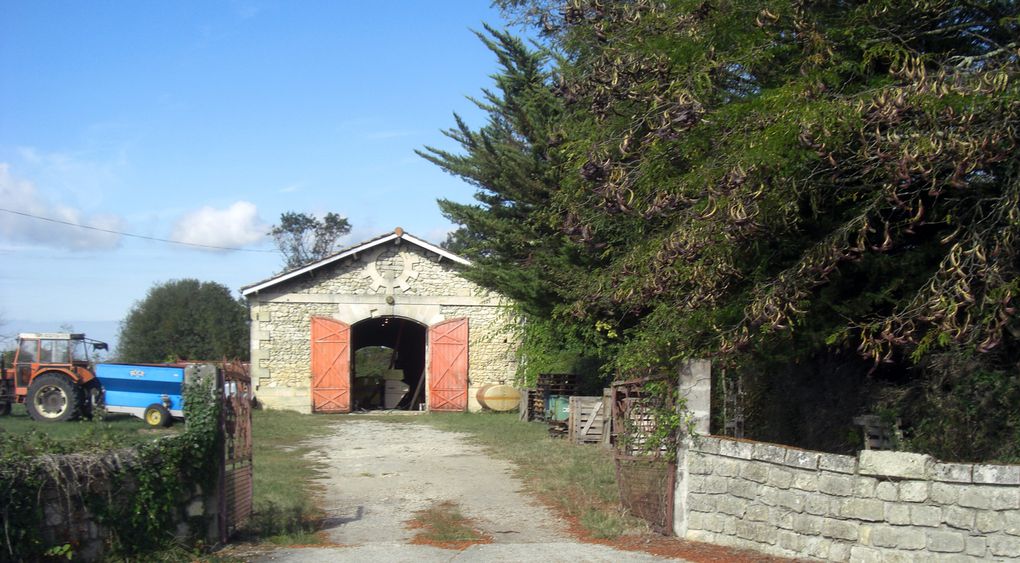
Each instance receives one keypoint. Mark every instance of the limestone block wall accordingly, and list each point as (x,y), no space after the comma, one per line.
(281,352)
(877,506)
(491,346)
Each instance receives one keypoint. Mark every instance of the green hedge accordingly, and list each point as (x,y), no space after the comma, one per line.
(134,495)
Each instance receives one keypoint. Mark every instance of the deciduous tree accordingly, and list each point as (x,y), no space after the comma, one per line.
(304,238)
(185,319)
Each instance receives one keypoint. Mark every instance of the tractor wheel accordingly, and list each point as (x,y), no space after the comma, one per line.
(53,397)
(157,415)
(5,408)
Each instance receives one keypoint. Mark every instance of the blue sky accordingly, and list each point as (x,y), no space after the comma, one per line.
(202,121)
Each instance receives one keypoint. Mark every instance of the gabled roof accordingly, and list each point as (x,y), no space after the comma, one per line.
(397,233)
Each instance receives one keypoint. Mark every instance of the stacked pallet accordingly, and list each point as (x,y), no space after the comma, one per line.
(557,383)
(531,405)
(535,402)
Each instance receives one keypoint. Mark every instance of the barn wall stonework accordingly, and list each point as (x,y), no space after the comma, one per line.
(420,285)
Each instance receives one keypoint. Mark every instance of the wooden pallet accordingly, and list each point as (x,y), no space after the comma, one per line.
(532,405)
(589,420)
(557,383)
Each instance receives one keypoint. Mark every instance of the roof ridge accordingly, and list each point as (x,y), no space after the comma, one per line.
(397,234)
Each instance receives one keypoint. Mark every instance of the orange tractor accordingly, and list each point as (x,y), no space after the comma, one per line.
(52,375)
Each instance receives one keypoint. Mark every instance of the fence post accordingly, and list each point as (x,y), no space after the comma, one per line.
(680,491)
(696,389)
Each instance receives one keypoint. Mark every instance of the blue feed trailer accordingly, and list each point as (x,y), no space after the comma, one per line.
(150,392)
(54,378)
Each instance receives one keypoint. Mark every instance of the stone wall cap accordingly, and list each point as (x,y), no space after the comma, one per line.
(997,474)
(953,472)
(903,465)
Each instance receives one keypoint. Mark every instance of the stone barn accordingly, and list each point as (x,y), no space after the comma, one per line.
(389,323)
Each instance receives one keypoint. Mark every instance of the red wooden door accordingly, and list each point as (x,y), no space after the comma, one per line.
(448,365)
(331,365)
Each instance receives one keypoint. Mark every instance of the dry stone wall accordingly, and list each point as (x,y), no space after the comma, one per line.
(395,270)
(67,519)
(877,506)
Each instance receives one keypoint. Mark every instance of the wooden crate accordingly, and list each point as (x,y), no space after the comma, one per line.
(589,420)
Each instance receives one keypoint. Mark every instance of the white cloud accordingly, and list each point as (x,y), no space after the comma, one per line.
(88,176)
(437,235)
(236,226)
(246,10)
(21,196)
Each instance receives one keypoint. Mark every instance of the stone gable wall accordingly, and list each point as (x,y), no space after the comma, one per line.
(393,270)
(877,506)
(390,280)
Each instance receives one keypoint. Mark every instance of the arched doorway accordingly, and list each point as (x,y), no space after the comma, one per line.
(380,363)
(387,364)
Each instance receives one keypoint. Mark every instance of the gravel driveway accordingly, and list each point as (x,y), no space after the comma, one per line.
(378,474)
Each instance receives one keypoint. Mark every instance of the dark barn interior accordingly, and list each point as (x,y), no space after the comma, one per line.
(381,345)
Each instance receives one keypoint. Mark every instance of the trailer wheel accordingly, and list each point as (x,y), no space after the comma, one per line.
(92,400)
(157,415)
(5,409)
(52,397)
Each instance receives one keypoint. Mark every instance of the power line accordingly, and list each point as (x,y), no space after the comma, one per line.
(123,234)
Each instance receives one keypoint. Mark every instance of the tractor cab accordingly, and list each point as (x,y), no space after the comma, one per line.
(51,373)
(53,351)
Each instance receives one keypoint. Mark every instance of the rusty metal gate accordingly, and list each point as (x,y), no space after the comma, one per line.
(645,474)
(236,471)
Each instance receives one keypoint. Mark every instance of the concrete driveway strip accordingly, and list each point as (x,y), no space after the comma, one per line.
(573,552)
(379,474)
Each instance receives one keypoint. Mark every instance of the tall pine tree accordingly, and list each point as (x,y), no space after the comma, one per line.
(510,160)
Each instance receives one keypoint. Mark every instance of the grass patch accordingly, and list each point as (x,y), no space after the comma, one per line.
(443,525)
(579,480)
(110,432)
(284,511)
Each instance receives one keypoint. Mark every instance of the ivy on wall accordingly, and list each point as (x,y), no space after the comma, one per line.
(135,496)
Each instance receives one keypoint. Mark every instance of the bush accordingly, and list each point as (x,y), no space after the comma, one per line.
(159,474)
